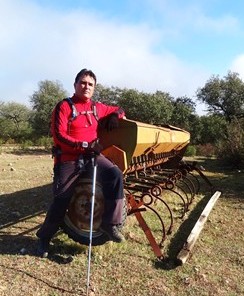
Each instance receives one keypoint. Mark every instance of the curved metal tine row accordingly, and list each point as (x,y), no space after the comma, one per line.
(184,176)
(147,199)
(165,183)
(148,186)
(156,192)
(154,187)
(148,206)
(193,167)
(171,184)
(188,188)
(186,171)
(151,181)
(195,181)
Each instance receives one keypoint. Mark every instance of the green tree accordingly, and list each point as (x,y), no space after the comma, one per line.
(183,111)
(107,95)
(224,96)
(14,121)
(149,108)
(195,128)
(43,101)
(213,129)
(231,148)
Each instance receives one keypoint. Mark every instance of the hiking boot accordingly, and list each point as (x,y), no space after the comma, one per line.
(112,232)
(42,247)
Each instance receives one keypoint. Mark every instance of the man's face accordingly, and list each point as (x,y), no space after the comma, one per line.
(84,88)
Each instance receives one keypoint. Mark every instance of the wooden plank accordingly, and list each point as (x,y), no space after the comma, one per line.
(192,238)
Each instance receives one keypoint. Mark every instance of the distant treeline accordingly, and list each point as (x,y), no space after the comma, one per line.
(219,133)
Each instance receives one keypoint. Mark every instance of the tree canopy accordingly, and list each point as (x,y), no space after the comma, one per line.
(154,108)
(43,101)
(221,127)
(183,112)
(224,96)
(14,121)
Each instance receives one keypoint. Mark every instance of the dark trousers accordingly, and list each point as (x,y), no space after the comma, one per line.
(65,175)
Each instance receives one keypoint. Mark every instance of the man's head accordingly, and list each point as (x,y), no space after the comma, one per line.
(84,85)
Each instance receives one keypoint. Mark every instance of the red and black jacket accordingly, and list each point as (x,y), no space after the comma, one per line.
(70,131)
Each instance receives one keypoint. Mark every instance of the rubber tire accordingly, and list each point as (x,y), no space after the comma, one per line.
(83,237)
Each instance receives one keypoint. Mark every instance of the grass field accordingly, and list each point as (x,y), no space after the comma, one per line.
(215,267)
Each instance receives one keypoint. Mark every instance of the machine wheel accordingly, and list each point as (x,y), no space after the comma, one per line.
(77,219)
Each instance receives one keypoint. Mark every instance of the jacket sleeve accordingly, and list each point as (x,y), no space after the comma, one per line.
(105,110)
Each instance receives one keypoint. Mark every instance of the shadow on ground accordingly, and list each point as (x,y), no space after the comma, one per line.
(24,207)
(21,214)
(224,179)
(17,213)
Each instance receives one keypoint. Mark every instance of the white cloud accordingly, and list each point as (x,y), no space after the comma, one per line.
(39,44)
(238,65)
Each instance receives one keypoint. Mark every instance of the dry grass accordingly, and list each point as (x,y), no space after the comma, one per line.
(215,268)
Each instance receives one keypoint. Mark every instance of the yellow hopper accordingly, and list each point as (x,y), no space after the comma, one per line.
(136,144)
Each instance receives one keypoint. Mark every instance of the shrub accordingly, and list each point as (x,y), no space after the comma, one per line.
(25,146)
(10,141)
(45,142)
(190,151)
(207,150)
(1,144)
(231,150)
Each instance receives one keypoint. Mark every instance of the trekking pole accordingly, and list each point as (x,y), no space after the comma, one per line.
(94,163)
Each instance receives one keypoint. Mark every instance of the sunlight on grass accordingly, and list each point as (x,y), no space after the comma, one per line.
(130,268)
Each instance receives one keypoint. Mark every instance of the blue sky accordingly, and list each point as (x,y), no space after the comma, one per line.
(168,45)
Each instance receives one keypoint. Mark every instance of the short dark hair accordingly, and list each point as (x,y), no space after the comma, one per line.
(85,72)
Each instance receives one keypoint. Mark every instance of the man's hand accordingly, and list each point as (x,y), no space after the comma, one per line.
(95,147)
(112,122)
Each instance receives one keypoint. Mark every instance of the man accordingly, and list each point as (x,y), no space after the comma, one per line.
(74,129)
